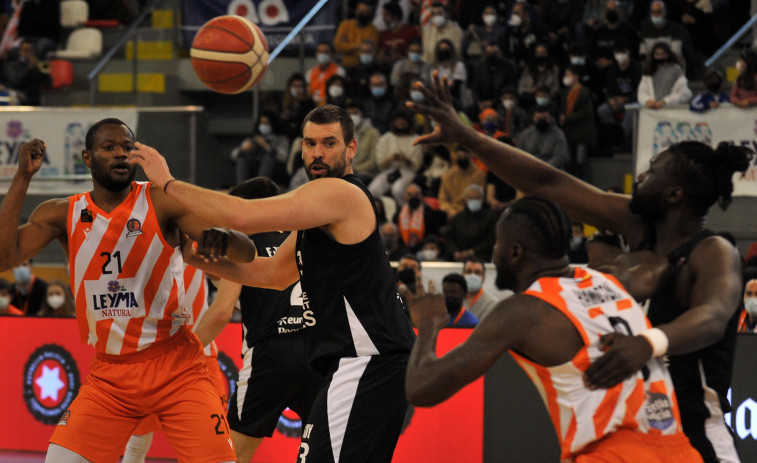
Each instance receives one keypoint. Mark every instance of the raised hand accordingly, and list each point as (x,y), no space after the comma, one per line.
(30,156)
(153,164)
(437,104)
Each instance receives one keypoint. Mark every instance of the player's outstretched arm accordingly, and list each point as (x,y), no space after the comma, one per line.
(716,274)
(46,223)
(431,380)
(325,201)
(219,313)
(521,170)
(277,272)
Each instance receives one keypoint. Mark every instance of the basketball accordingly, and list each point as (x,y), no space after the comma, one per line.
(229,54)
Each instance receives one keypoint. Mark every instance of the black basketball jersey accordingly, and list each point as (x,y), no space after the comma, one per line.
(710,366)
(269,312)
(352,292)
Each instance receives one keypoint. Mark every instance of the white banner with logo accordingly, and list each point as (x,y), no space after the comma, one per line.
(64,130)
(658,129)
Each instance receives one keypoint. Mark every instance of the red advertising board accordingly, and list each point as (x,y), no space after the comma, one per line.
(43,362)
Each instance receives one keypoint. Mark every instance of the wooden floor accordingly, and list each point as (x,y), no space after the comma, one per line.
(12,456)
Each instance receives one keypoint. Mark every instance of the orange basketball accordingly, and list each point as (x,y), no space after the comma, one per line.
(229,54)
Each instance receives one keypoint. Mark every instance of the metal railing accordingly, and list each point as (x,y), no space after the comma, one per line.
(131,32)
(730,42)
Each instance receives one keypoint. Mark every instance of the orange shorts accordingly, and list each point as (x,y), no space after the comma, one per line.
(168,379)
(626,446)
(152,423)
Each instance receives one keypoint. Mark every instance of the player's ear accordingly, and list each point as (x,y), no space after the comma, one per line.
(352,148)
(86,157)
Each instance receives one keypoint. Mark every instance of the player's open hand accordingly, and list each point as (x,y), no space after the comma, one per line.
(153,163)
(427,311)
(213,244)
(30,156)
(437,104)
(624,356)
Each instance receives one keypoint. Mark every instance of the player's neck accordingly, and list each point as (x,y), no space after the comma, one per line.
(108,200)
(676,229)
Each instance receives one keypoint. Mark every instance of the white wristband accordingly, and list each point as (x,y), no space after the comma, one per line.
(657,339)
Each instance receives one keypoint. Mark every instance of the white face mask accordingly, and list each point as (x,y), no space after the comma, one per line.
(567,81)
(438,20)
(473,281)
(750,304)
(428,254)
(474,205)
(575,242)
(621,58)
(658,20)
(265,129)
(55,301)
(356,119)
(490,19)
(335,91)
(416,95)
(508,104)
(5,301)
(515,21)
(740,66)
(323,58)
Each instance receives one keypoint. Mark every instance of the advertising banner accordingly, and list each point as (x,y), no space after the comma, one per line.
(658,129)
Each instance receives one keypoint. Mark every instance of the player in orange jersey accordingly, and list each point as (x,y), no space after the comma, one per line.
(552,327)
(122,240)
(696,312)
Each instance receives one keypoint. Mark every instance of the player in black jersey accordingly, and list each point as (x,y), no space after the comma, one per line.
(362,336)
(274,374)
(695,315)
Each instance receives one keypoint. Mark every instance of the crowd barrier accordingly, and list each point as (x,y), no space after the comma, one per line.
(495,419)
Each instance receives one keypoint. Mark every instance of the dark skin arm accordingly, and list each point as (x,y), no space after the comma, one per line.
(521,323)
(642,273)
(710,284)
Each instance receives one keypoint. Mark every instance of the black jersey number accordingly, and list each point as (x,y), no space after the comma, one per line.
(108,258)
(621,326)
(219,420)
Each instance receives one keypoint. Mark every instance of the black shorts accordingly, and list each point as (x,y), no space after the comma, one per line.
(274,377)
(359,411)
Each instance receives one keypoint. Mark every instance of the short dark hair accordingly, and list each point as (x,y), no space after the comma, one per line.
(5,285)
(707,174)
(255,188)
(89,139)
(456,278)
(328,114)
(546,225)
(393,10)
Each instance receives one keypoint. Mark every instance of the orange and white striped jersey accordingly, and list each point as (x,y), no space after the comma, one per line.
(126,279)
(196,291)
(597,304)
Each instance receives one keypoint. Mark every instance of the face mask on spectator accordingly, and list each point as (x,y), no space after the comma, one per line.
(55,301)
(515,20)
(406,276)
(621,58)
(612,16)
(443,54)
(366,58)
(22,274)
(414,57)
(541,125)
(356,119)
(364,19)
(293,91)
(5,301)
(508,104)
(416,95)
(438,20)
(474,205)
(750,304)
(542,101)
(414,202)
(453,305)
(489,126)
(265,129)
(567,81)
(323,58)
(473,281)
(378,92)
(463,163)
(335,91)
(740,66)
(577,60)
(658,20)
(575,242)
(428,254)
(490,19)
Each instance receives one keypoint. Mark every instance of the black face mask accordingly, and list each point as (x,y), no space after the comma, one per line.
(443,54)
(660,62)
(401,130)
(364,19)
(414,202)
(453,305)
(541,125)
(612,16)
(463,163)
(540,61)
(713,87)
(406,276)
